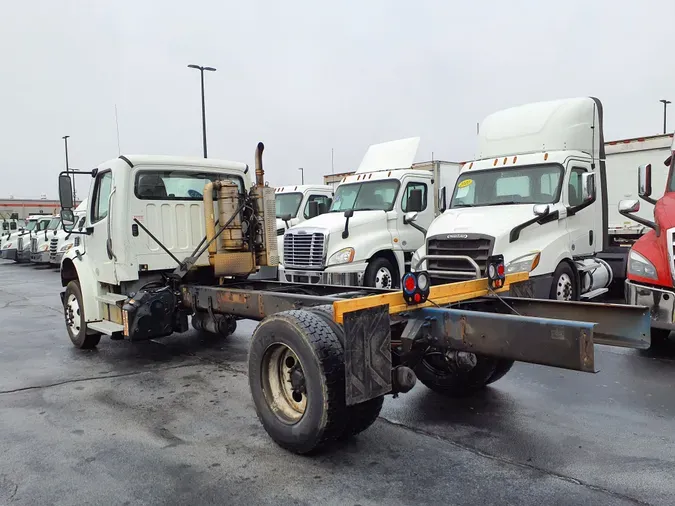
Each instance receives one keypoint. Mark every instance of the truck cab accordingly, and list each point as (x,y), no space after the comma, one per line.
(10,242)
(297,203)
(650,277)
(536,194)
(63,241)
(144,214)
(376,221)
(39,244)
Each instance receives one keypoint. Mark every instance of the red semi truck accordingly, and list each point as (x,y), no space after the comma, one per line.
(650,276)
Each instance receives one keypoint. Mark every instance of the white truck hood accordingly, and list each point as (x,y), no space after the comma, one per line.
(335,222)
(490,220)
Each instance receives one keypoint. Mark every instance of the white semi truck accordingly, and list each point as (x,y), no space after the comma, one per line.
(541,193)
(17,246)
(377,219)
(64,240)
(39,244)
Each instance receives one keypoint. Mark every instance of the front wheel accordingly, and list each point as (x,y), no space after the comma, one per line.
(296,374)
(380,273)
(73,310)
(564,285)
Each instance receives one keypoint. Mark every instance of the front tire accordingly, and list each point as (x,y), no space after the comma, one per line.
(297,378)
(564,286)
(73,310)
(380,273)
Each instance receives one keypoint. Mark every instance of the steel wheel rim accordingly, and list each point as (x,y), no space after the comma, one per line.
(383,278)
(283,382)
(73,315)
(564,287)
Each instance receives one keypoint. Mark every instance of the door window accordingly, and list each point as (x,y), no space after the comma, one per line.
(574,194)
(408,190)
(323,201)
(101,197)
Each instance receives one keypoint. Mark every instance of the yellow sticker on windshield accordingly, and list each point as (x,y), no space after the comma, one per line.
(465,183)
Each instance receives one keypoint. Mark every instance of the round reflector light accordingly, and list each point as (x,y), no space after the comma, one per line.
(422,281)
(409,283)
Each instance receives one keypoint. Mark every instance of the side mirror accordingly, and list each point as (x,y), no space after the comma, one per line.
(409,217)
(65,191)
(629,206)
(286,218)
(415,200)
(313,209)
(349,213)
(67,219)
(645,181)
(323,207)
(587,186)
(442,205)
(541,210)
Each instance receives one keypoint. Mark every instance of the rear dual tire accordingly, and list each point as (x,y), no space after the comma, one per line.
(297,379)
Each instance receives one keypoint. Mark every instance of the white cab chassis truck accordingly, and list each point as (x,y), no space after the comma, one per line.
(322,357)
(538,195)
(377,220)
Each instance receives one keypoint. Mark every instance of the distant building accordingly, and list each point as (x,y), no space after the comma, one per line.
(335,178)
(21,208)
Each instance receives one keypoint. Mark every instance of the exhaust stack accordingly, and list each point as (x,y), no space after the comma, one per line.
(259,172)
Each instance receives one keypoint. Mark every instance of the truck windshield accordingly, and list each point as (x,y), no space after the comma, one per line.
(370,196)
(177,184)
(31,225)
(54,224)
(287,203)
(539,184)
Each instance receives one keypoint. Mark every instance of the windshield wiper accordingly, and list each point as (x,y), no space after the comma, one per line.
(507,203)
(455,206)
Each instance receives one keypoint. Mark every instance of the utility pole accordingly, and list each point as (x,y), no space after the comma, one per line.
(201,70)
(665,104)
(332,169)
(302,173)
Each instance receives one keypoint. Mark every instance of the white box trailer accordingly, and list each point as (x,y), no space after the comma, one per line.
(622,159)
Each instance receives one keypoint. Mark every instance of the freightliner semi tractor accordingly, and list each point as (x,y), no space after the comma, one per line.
(376,221)
(17,246)
(322,357)
(651,265)
(541,193)
(63,240)
(39,244)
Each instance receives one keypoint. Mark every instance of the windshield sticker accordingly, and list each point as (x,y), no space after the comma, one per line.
(465,183)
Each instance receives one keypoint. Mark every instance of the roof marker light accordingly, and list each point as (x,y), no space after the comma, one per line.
(545,156)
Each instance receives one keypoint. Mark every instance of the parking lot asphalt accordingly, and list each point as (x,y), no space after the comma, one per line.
(172,422)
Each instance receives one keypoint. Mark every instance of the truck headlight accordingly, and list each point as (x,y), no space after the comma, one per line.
(640,266)
(525,263)
(7,246)
(344,256)
(66,247)
(44,247)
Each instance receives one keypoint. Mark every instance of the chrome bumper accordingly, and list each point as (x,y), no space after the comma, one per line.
(9,254)
(23,255)
(661,303)
(40,258)
(321,277)
(55,258)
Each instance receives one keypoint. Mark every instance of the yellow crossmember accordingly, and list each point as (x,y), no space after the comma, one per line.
(440,294)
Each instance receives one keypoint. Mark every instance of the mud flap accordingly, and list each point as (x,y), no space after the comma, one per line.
(367,354)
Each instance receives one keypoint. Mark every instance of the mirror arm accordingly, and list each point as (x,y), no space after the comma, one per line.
(641,221)
(648,199)
(416,226)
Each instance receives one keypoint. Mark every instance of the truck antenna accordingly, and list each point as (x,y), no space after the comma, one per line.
(117,125)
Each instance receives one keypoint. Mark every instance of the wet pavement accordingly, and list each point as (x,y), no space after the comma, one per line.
(172,422)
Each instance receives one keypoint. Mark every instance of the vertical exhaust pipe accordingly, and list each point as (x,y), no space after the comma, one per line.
(259,172)
(209,219)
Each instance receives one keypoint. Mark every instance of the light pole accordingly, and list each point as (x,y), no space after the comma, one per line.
(65,141)
(665,104)
(201,70)
(302,173)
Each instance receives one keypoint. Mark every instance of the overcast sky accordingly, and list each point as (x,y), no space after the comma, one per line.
(306,76)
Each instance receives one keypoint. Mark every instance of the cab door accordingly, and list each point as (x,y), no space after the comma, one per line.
(580,224)
(99,241)
(410,238)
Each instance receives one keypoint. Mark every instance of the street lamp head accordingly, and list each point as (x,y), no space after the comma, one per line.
(210,68)
(664,101)
(194,67)
(65,136)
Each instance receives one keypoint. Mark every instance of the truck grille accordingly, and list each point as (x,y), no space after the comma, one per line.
(53,245)
(33,245)
(19,244)
(303,249)
(476,246)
